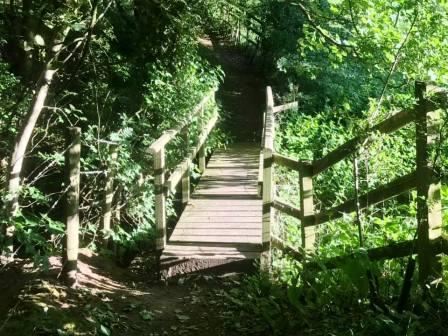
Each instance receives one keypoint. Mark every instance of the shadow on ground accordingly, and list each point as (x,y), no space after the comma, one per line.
(110,301)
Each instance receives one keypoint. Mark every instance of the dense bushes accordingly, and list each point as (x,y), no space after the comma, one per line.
(126,71)
(350,65)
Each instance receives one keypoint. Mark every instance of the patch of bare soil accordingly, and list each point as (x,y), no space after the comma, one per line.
(109,301)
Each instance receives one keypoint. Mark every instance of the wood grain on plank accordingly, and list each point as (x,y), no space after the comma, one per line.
(223,218)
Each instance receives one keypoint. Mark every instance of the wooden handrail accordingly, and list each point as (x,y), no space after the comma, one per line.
(268,188)
(290,163)
(269,125)
(170,134)
(437,96)
(391,251)
(254,30)
(287,209)
(176,176)
(390,125)
(260,174)
(380,194)
(181,169)
(285,107)
(284,246)
(164,184)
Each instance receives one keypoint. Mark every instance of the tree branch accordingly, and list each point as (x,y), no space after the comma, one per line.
(392,68)
(318,29)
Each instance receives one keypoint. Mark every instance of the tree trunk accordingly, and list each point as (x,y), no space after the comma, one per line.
(20,146)
(72,163)
(109,195)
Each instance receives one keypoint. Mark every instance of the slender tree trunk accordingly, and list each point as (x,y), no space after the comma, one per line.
(20,146)
(72,163)
(109,194)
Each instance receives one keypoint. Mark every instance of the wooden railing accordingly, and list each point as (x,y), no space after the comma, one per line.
(165,181)
(425,179)
(247,29)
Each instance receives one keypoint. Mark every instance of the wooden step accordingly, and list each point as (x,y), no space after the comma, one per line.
(211,252)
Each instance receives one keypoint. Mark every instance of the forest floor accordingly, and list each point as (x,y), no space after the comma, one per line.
(111,300)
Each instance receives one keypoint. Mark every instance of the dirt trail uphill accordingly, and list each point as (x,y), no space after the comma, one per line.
(242,94)
(116,301)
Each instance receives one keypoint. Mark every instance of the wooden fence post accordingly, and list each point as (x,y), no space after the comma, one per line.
(261,163)
(268,181)
(72,163)
(186,176)
(160,198)
(429,207)
(109,192)
(118,205)
(307,207)
(201,154)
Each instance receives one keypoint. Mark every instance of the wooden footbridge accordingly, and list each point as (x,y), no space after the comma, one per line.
(222,219)
(229,215)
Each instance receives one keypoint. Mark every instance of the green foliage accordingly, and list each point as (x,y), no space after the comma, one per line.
(331,303)
(39,237)
(349,64)
(137,74)
(11,104)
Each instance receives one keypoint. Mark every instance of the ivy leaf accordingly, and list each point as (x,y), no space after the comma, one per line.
(78,26)
(182,318)
(104,331)
(39,40)
(146,315)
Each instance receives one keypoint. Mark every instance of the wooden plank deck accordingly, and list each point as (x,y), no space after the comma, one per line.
(223,219)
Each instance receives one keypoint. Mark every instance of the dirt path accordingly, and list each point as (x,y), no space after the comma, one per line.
(242,94)
(112,301)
